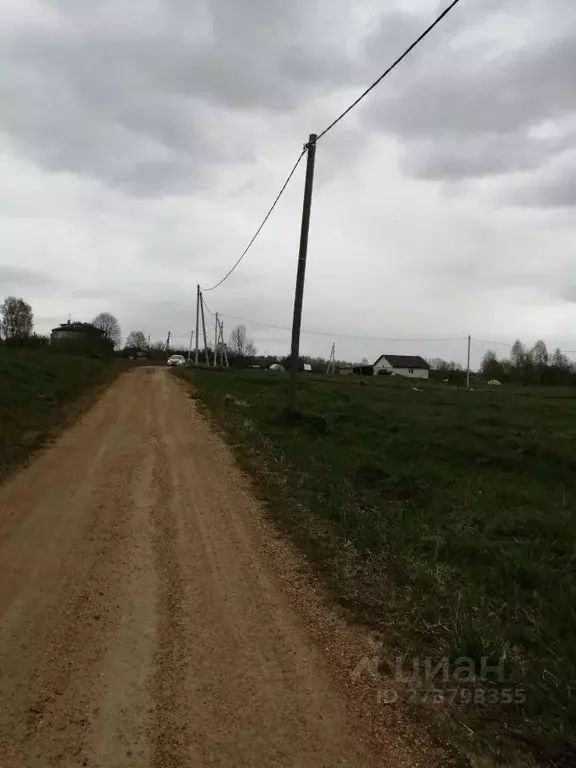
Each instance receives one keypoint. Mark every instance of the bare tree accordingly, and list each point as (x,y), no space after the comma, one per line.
(540,360)
(237,340)
(540,356)
(518,354)
(560,361)
(240,344)
(136,340)
(110,326)
(17,318)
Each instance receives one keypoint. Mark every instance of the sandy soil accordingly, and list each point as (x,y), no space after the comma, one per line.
(145,615)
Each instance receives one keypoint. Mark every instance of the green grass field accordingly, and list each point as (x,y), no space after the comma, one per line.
(36,390)
(445,519)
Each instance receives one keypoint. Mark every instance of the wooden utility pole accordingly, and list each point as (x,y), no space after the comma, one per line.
(332,361)
(224,352)
(204,330)
(216,339)
(197,322)
(468,363)
(168,342)
(190,345)
(301,272)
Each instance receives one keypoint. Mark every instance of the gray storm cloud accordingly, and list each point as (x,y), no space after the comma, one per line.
(468,108)
(140,145)
(133,98)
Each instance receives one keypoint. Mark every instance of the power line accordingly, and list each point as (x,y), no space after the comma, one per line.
(261,227)
(335,335)
(379,338)
(207,308)
(368,338)
(494,343)
(390,68)
(325,131)
(511,346)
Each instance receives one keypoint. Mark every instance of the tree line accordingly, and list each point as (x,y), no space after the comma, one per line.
(17,328)
(535,365)
(529,366)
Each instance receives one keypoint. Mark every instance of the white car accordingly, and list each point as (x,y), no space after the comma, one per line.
(176,360)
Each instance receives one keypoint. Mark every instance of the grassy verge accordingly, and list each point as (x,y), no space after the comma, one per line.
(36,392)
(444,519)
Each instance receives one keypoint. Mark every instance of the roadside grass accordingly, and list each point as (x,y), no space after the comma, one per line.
(444,519)
(36,391)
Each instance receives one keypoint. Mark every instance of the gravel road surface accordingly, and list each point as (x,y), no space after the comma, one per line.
(139,624)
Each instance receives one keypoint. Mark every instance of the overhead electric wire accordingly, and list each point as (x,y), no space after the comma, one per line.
(494,343)
(261,227)
(206,307)
(511,346)
(390,68)
(325,131)
(336,335)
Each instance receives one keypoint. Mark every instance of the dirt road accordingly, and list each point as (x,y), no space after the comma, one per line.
(138,624)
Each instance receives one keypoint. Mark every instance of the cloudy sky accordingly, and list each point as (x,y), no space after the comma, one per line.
(142,142)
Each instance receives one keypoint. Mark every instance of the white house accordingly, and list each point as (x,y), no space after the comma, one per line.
(412,366)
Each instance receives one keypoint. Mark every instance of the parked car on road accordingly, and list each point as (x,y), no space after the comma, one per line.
(176,360)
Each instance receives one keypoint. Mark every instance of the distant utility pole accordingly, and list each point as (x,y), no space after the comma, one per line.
(216,339)
(190,345)
(301,272)
(468,363)
(197,322)
(224,353)
(332,361)
(206,350)
(168,341)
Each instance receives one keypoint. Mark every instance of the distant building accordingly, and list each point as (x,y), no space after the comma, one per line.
(75,332)
(412,366)
(84,338)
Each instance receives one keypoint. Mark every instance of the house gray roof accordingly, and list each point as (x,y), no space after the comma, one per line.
(75,326)
(405,361)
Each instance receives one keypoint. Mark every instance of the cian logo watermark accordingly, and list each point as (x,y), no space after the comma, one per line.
(437,680)
(426,669)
